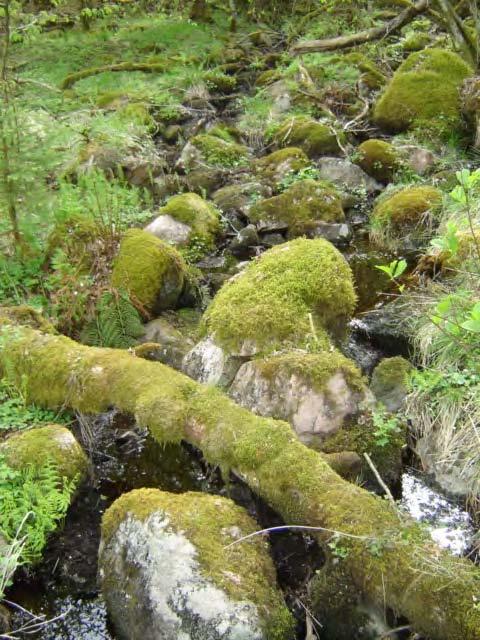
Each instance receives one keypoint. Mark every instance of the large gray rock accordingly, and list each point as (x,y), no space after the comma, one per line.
(166,343)
(352,181)
(166,572)
(172,231)
(317,393)
(208,363)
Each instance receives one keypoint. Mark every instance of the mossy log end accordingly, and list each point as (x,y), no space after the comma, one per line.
(146,67)
(391,561)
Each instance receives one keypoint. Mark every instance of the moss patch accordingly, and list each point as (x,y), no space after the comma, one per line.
(280,163)
(314,138)
(301,207)
(150,270)
(201,216)
(424,94)
(53,443)
(379,159)
(218,152)
(270,302)
(409,211)
(243,571)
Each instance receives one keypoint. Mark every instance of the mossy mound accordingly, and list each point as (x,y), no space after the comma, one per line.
(137,113)
(278,298)
(301,207)
(219,152)
(219,81)
(27,317)
(379,159)
(424,94)
(390,382)
(409,212)
(314,138)
(54,443)
(198,527)
(281,163)
(150,270)
(201,216)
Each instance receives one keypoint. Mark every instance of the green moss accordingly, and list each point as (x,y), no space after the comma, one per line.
(390,382)
(269,303)
(416,42)
(145,67)
(150,270)
(195,212)
(267,77)
(379,159)
(424,94)
(220,153)
(229,134)
(76,237)
(316,368)
(314,138)
(51,442)
(409,211)
(26,316)
(245,571)
(280,163)
(301,207)
(216,79)
(137,113)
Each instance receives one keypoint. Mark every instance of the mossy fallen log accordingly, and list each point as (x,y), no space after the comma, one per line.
(392,561)
(146,67)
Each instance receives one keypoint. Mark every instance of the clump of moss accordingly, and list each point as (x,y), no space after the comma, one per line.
(410,211)
(424,94)
(379,159)
(52,442)
(416,42)
(27,317)
(314,138)
(301,207)
(194,211)
(316,368)
(150,270)
(281,163)
(219,152)
(245,571)
(216,79)
(267,77)
(277,298)
(137,113)
(371,74)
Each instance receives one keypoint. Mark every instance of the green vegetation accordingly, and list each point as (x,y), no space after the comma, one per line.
(314,138)
(379,159)
(275,299)
(220,153)
(201,216)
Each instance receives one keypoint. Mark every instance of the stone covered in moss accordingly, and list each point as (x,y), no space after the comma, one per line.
(26,316)
(390,382)
(424,93)
(281,163)
(150,270)
(50,443)
(409,212)
(270,302)
(218,152)
(316,392)
(196,218)
(379,159)
(301,207)
(167,571)
(314,138)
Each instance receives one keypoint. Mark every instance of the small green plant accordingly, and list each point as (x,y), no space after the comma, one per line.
(308,173)
(394,271)
(336,547)
(15,413)
(449,241)
(38,498)
(386,425)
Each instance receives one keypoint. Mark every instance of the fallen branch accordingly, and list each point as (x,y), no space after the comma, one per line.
(433,590)
(146,67)
(354,39)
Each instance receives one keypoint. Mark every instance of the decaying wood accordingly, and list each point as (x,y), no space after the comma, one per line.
(389,560)
(354,39)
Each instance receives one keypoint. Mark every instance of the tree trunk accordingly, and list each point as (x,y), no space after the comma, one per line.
(392,560)
(354,39)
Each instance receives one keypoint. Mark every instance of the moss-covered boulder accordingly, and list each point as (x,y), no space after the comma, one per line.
(424,94)
(50,443)
(187,217)
(26,316)
(281,163)
(292,294)
(238,197)
(167,570)
(316,392)
(405,216)
(150,270)
(218,152)
(315,138)
(379,159)
(390,382)
(300,207)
